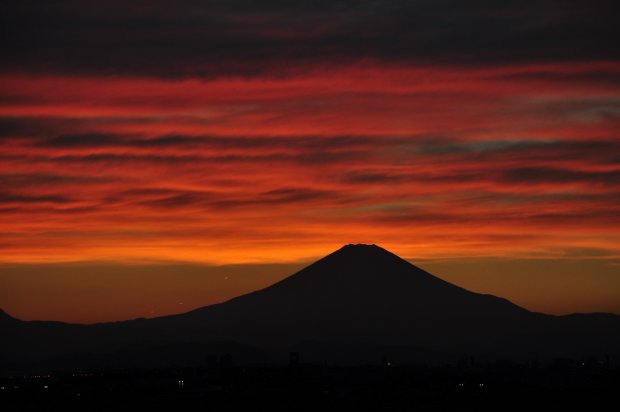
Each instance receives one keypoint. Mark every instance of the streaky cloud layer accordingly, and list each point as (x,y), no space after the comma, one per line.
(432,160)
(227,132)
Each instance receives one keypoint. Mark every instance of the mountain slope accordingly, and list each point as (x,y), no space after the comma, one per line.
(358,293)
(361,295)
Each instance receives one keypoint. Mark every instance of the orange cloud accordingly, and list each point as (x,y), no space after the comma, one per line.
(432,161)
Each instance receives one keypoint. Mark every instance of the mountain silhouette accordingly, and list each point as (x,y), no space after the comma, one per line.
(358,296)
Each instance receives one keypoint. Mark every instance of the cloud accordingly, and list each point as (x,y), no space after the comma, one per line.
(83,140)
(24,180)
(534,175)
(279,129)
(273,37)
(9,198)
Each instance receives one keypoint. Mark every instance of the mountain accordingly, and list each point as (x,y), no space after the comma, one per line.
(360,296)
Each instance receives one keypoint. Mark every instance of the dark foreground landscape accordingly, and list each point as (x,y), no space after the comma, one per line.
(502,385)
(360,329)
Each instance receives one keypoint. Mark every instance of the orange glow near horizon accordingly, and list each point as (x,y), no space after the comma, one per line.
(432,163)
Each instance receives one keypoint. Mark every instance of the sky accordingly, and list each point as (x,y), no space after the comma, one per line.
(160,156)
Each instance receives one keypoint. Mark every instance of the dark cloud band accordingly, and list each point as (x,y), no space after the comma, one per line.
(214,38)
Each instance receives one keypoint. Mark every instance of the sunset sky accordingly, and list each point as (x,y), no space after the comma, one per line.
(160,156)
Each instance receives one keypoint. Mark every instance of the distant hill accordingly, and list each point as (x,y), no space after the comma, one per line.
(352,305)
